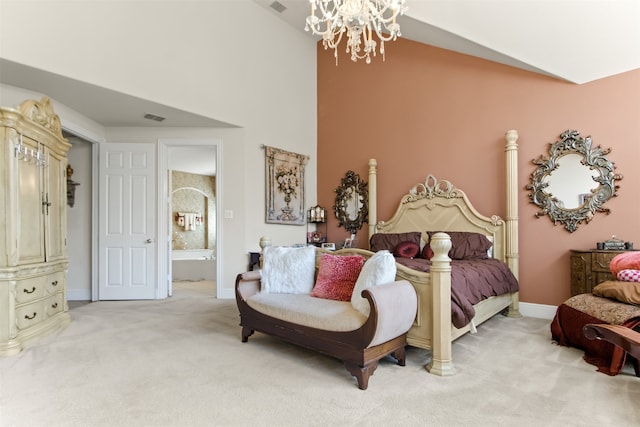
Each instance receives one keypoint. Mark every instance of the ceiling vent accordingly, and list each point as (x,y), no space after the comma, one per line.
(154,117)
(278,7)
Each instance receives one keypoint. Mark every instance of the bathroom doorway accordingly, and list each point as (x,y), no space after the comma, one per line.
(191,220)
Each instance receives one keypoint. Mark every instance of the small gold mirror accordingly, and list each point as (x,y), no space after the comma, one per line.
(352,206)
(574,182)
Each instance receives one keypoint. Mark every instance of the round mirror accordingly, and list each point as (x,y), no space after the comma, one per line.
(351,206)
(574,182)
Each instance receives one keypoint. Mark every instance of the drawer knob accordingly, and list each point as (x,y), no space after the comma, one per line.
(54,305)
(54,283)
(26,291)
(26,316)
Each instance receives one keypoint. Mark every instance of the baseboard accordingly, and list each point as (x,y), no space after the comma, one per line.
(540,311)
(78,295)
(227,293)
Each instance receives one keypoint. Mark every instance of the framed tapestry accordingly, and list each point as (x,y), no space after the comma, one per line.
(285,186)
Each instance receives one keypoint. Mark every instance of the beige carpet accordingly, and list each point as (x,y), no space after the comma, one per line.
(180,362)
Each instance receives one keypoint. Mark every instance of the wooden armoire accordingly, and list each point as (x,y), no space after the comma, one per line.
(33,224)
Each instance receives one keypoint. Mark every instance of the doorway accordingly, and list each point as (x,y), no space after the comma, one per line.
(80,273)
(198,158)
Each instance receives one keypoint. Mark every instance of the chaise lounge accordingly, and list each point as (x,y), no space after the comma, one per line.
(370,326)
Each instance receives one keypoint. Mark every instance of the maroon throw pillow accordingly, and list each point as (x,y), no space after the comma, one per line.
(406,250)
(427,252)
(389,241)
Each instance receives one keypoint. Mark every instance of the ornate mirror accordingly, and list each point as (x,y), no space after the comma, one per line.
(352,206)
(574,182)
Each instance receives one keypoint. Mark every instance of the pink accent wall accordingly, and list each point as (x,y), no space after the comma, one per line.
(431,111)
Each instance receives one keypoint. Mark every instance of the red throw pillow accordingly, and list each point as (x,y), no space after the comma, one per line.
(337,275)
(407,250)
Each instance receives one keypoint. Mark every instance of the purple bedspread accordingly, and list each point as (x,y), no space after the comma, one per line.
(471,282)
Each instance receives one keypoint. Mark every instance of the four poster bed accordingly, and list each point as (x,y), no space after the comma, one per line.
(453,296)
(437,206)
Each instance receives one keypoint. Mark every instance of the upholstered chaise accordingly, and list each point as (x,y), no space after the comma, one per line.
(332,327)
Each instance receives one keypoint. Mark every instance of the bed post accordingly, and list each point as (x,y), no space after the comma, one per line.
(373,198)
(264,242)
(441,354)
(511,252)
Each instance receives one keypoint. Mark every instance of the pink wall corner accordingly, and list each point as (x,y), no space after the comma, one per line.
(431,111)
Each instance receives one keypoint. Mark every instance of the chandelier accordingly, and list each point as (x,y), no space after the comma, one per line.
(331,19)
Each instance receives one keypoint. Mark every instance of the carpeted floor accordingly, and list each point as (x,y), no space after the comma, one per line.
(180,362)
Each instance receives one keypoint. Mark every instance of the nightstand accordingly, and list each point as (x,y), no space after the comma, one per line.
(590,267)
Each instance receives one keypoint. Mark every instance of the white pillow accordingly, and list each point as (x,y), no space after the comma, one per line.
(377,270)
(288,270)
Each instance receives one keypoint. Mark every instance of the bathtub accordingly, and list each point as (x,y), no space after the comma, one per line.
(193,264)
(192,254)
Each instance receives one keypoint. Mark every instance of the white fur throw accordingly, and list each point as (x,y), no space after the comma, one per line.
(288,270)
(380,269)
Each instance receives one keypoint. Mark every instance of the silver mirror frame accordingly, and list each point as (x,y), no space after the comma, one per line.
(571,142)
(351,184)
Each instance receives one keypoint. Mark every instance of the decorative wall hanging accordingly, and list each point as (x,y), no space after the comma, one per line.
(285,186)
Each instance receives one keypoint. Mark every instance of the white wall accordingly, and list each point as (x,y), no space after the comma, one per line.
(233,61)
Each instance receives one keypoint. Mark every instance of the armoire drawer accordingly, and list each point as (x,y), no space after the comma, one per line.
(54,304)
(55,282)
(30,289)
(30,314)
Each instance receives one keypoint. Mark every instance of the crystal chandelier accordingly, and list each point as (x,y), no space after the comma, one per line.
(331,19)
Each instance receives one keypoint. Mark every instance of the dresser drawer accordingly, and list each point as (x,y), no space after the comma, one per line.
(601,261)
(54,304)
(30,314)
(30,289)
(55,282)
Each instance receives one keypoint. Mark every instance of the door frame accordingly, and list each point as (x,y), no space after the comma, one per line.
(164,217)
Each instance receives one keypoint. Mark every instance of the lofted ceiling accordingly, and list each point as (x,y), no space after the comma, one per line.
(572,40)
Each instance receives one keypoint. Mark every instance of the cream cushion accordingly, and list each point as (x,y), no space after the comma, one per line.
(377,270)
(319,313)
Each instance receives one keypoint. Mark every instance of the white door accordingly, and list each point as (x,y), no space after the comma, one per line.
(127,222)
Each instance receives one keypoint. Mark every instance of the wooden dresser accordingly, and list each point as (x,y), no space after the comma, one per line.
(590,267)
(33,224)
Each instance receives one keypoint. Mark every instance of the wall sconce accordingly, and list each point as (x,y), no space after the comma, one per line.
(71,187)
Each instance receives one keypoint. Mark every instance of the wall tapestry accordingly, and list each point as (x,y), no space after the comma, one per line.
(285,186)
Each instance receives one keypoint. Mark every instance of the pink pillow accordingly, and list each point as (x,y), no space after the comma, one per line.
(337,275)
(625,261)
(407,250)
(629,275)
